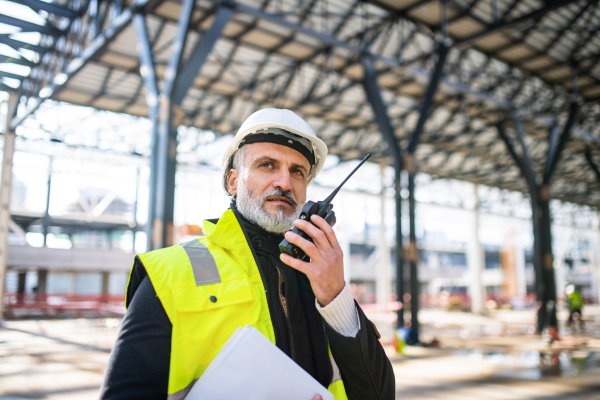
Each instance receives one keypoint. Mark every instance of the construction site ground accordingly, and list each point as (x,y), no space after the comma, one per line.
(494,356)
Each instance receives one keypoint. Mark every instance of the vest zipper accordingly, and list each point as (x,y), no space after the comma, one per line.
(262,276)
(285,311)
(260,270)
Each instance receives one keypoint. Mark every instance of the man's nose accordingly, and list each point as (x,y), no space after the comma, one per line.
(283,180)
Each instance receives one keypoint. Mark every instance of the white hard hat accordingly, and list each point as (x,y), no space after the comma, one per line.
(285,120)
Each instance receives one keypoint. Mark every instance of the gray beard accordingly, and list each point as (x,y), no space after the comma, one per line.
(251,207)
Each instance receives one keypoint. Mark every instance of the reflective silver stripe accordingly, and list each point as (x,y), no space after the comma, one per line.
(180,394)
(203,263)
(336,371)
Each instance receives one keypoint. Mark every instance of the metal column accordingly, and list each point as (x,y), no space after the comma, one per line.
(413,252)
(476,259)
(46,221)
(383,270)
(540,204)
(411,167)
(528,173)
(169,118)
(105,285)
(5,191)
(42,284)
(177,82)
(399,245)
(373,93)
(148,74)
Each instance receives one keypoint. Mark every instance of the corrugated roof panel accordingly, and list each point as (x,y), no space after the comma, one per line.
(253,71)
(137,109)
(90,78)
(108,103)
(124,61)
(75,96)
(126,85)
(125,43)
(169,10)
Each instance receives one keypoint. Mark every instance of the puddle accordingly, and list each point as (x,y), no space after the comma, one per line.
(533,365)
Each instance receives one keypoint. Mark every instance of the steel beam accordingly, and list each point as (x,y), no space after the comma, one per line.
(502,24)
(148,74)
(96,46)
(379,107)
(185,78)
(413,253)
(17,44)
(433,85)
(408,70)
(542,224)
(511,149)
(4,74)
(540,216)
(588,156)
(19,61)
(5,88)
(46,220)
(55,9)
(413,256)
(557,146)
(5,191)
(30,26)
(177,82)
(527,161)
(164,196)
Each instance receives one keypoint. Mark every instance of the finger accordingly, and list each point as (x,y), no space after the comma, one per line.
(299,265)
(315,233)
(309,247)
(317,397)
(327,230)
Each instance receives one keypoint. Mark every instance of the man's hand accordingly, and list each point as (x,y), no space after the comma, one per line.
(325,271)
(317,397)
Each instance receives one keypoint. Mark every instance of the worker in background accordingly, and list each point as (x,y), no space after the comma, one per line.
(575,302)
(185,301)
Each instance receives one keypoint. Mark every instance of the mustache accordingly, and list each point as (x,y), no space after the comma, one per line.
(278,192)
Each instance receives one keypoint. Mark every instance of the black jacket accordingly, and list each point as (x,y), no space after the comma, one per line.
(139,363)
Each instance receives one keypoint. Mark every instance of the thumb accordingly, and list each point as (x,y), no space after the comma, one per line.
(317,397)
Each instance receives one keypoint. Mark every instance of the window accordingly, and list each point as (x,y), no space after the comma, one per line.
(492,260)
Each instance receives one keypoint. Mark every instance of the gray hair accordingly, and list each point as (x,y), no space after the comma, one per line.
(236,162)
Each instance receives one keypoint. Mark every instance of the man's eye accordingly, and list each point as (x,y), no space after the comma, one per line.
(266,164)
(298,172)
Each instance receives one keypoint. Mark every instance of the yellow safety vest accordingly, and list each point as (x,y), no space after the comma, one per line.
(209,287)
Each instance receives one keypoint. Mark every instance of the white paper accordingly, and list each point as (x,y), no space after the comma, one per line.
(250,367)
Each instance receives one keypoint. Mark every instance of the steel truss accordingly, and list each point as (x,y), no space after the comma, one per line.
(436,77)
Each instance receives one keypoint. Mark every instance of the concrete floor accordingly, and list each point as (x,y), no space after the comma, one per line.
(65,359)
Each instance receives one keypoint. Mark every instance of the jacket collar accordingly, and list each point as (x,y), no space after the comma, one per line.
(227,232)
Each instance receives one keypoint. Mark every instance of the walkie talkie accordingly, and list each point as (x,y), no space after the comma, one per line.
(320,208)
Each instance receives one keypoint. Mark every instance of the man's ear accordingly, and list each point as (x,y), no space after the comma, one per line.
(232,181)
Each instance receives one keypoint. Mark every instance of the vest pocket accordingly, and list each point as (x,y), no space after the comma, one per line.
(212,297)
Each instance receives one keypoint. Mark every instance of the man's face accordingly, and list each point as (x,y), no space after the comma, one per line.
(268,167)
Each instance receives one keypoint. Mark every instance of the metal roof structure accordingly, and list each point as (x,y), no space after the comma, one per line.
(498,92)
(306,55)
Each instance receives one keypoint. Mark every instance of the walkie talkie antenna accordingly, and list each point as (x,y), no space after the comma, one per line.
(327,201)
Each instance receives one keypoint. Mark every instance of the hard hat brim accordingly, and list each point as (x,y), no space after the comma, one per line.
(319,147)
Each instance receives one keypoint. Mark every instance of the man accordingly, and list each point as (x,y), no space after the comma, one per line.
(575,302)
(185,301)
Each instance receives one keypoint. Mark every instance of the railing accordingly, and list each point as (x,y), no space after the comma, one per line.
(24,305)
(452,302)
